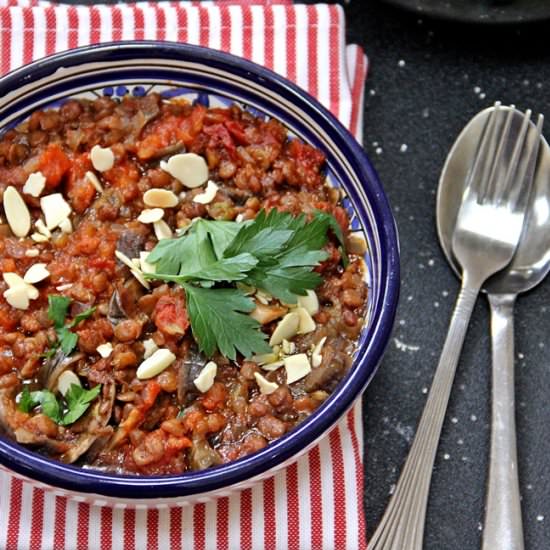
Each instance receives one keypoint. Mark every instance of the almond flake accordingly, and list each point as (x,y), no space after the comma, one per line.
(273,366)
(66,286)
(162,230)
(13,279)
(67,379)
(41,228)
(296,366)
(150,347)
(161,198)
(36,273)
(307,324)
(316,357)
(205,379)
(124,259)
(142,280)
(35,184)
(286,329)
(151,215)
(189,168)
(102,158)
(17,297)
(266,387)
(66,226)
(145,266)
(17,213)
(94,180)
(32,291)
(155,364)
(39,238)
(209,194)
(310,302)
(55,209)
(239,218)
(105,350)
(32,252)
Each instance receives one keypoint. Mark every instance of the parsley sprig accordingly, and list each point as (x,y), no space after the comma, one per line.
(75,404)
(276,252)
(58,307)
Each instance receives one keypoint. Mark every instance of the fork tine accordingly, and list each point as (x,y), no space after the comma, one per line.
(510,178)
(496,164)
(475,179)
(526,170)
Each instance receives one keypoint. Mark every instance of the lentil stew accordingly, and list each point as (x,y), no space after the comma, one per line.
(103,360)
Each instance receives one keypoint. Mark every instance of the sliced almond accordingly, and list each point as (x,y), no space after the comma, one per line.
(17,297)
(17,213)
(209,194)
(66,226)
(316,357)
(205,379)
(124,259)
(102,158)
(55,209)
(265,358)
(94,180)
(35,184)
(266,387)
(239,218)
(150,347)
(151,215)
(142,280)
(155,364)
(307,324)
(310,302)
(66,380)
(189,168)
(296,366)
(66,286)
(273,366)
(288,347)
(161,198)
(32,252)
(105,349)
(286,329)
(36,273)
(41,228)
(145,266)
(162,230)
(263,297)
(13,279)
(39,238)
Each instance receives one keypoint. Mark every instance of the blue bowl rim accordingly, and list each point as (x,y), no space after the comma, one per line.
(81,480)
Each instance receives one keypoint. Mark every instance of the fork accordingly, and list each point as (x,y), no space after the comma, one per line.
(487,232)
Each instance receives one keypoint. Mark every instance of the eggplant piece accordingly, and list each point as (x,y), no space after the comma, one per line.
(95,419)
(188,369)
(54,366)
(202,455)
(124,302)
(131,241)
(115,312)
(7,411)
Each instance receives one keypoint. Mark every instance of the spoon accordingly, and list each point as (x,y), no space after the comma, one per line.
(529,266)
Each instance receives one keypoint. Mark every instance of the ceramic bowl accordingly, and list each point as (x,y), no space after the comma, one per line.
(213,78)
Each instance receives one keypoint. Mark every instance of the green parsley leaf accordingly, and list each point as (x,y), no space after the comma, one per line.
(45,398)
(78,400)
(81,317)
(57,309)
(337,230)
(221,233)
(66,339)
(219,320)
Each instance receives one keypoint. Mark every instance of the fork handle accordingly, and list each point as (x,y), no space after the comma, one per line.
(402,526)
(503,526)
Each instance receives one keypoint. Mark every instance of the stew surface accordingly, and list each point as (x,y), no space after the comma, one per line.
(109,361)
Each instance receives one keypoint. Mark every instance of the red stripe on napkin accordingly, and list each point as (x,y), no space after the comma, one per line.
(315,503)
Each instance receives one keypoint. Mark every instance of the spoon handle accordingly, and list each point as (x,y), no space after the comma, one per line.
(402,526)
(503,526)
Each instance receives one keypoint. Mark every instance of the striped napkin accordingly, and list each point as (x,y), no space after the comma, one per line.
(317,502)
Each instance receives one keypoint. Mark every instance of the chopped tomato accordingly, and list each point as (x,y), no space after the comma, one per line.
(237,131)
(124,176)
(170,315)
(192,125)
(79,189)
(54,164)
(150,394)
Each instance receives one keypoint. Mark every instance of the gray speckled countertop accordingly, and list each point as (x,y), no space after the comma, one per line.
(427,78)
